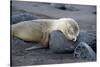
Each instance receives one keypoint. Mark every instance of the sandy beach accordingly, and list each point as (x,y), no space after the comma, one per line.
(85,15)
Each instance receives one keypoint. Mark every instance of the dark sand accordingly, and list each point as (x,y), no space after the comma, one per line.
(84,15)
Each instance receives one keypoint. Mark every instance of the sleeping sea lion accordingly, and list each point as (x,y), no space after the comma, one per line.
(38,30)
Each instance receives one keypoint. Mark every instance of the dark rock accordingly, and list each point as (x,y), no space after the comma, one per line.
(59,44)
(65,7)
(59,6)
(22,17)
(94,12)
(87,37)
(83,51)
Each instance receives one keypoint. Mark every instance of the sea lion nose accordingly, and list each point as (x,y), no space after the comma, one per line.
(74,39)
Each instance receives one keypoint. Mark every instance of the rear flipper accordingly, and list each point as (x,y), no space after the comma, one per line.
(37,46)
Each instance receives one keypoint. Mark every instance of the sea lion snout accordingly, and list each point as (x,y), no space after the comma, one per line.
(74,39)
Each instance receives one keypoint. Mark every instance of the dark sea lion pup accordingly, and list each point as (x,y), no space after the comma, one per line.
(39,30)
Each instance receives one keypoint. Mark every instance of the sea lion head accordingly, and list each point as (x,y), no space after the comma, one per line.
(70,28)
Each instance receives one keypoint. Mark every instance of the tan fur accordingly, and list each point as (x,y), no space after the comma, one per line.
(38,30)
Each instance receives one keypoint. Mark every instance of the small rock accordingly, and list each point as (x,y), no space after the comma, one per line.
(94,12)
(67,7)
(59,6)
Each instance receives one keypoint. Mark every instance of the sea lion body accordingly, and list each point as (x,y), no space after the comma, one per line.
(38,30)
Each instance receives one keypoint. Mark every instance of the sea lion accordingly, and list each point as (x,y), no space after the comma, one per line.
(38,30)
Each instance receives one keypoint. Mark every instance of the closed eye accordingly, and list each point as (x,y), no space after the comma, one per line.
(70,32)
